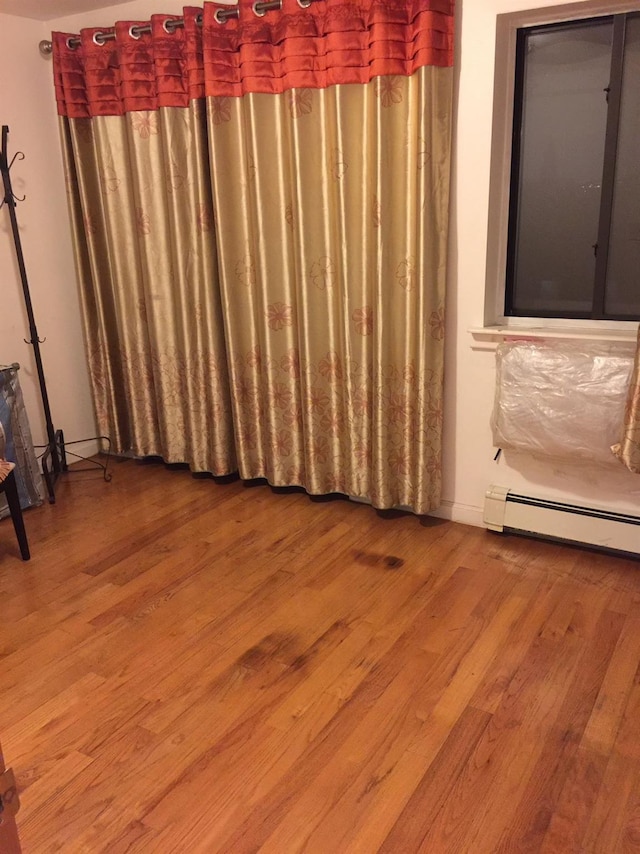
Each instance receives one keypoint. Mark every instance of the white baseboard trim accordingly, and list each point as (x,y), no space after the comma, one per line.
(587,525)
(467,514)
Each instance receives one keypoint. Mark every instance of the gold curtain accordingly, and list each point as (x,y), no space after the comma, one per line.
(143,227)
(304,333)
(628,451)
(332,253)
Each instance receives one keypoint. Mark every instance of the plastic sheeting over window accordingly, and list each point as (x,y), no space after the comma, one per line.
(561,399)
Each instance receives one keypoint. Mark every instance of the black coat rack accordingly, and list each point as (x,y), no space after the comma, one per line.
(54,458)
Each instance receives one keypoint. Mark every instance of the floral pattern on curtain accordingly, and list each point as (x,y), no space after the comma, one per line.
(135,141)
(300,330)
(332,273)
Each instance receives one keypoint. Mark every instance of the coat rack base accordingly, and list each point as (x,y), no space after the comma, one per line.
(54,461)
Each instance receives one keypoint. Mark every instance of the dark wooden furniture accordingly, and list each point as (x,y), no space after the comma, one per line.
(10,489)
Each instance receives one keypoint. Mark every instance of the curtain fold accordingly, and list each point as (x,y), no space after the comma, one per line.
(333,259)
(300,330)
(333,42)
(628,450)
(143,226)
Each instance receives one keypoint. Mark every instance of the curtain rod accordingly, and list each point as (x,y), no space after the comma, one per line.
(260,8)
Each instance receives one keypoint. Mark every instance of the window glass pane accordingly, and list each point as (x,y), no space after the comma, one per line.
(623,271)
(561,155)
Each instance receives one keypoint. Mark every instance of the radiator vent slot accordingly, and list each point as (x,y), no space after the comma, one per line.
(510,512)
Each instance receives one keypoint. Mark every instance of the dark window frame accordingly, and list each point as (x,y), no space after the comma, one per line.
(614,97)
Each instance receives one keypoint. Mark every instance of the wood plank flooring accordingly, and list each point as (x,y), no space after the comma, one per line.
(192,666)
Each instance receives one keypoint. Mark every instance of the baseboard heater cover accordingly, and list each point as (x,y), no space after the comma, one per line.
(510,512)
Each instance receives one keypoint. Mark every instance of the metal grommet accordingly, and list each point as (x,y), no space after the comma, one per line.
(99,38)
(223,15)
(134,32)
(304,4)
(258,10)
(70,43)
(199,19)
(169,26)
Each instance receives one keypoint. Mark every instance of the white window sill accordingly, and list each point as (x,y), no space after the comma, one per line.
(488,337)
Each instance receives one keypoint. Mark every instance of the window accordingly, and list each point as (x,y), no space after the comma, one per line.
(566,167)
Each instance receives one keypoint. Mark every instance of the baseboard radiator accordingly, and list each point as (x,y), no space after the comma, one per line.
(512,513)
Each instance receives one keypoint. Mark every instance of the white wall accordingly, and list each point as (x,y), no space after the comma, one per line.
(470,373)
(135,10)
(27,105)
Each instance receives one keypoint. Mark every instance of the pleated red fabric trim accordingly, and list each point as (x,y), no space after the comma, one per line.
(331,42)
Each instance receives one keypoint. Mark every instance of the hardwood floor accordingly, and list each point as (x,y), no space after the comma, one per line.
(190,666)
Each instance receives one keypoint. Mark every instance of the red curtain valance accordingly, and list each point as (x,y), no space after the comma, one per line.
(331,42)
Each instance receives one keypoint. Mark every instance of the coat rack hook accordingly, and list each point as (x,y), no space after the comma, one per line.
(9,197)
(19,155)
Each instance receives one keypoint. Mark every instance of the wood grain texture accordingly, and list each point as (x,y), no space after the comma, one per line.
(9,842)
(195,666)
